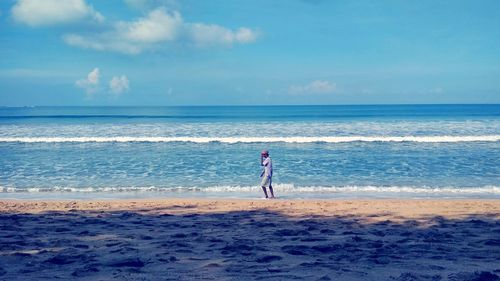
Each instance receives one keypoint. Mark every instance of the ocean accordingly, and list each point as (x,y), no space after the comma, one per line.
(338,151)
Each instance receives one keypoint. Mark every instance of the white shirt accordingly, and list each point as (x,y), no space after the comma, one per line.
(268,167)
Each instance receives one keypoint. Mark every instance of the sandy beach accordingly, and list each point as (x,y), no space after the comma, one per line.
(215,239)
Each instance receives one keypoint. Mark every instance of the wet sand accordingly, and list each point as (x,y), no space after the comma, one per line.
(216,239)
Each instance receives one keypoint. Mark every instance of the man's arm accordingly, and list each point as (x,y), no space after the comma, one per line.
(265,162)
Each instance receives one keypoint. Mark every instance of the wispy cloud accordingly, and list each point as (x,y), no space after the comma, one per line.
(91,83)
(160,26)
(119,84)
(145,5)
(436,90)
(53,12)
(29,73)
(315,87)
(212,35)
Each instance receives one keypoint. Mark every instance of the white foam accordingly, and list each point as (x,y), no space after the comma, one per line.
(282,188)
(290,188)
(231,140)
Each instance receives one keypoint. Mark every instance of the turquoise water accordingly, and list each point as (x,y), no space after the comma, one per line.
(318,151)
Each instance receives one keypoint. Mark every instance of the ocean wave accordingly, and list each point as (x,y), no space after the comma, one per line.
(327,139)
(281,188)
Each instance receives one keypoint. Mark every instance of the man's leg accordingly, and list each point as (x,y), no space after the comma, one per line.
(265,191)
(271,187)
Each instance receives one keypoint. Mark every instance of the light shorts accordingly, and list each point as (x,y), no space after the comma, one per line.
(266,181)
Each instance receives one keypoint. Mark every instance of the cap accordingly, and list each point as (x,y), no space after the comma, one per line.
(264,152)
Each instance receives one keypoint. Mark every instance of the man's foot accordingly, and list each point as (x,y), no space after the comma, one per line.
(265,191)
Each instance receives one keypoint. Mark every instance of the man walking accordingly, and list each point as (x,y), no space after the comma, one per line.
(267,173)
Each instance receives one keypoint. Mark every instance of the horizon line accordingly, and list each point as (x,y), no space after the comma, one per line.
(252,105)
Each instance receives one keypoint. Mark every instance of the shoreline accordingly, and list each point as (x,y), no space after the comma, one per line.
(254,193)
(250,239)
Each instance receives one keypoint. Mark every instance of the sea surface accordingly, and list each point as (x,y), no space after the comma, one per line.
(382,151)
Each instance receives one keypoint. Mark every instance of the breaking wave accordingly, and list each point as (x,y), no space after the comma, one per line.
(328,139)
(282,188)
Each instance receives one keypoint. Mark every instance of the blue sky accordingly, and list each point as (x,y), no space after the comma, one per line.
(193,52)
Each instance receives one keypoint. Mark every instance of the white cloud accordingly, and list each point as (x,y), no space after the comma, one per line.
(158,27)
(246,35)
(315,87)
(119,84)
(53,12)
(91,83)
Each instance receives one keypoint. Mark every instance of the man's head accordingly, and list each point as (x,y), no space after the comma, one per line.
(264,153)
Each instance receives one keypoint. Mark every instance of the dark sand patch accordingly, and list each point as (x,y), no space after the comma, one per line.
(246,244)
